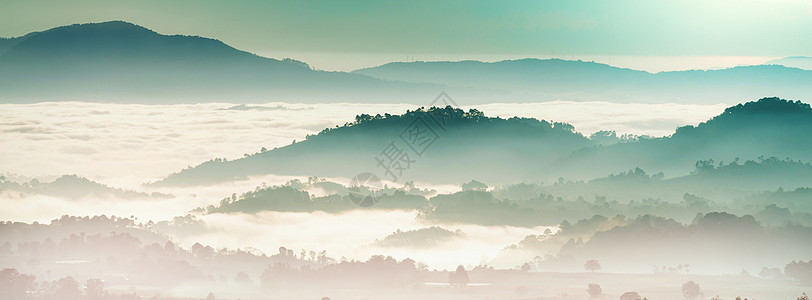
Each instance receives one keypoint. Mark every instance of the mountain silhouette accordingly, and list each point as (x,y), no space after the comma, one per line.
(769,127)
(800,62)
(75,187)
(553,79)
(501,151)
(122,62)
(469,145)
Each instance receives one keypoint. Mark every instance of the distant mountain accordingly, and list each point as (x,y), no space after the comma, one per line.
(75,187)
(552,79)
(468,146)
(502,151)
(122,62)
(800,62)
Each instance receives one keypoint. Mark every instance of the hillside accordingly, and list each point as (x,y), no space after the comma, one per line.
(74,187)
(767,127)
(123,62)
(501,151)
(468,146)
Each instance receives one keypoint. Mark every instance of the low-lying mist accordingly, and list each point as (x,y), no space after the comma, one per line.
(111,143)
(84,208)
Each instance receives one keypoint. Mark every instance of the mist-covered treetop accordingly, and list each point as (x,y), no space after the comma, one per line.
(768,105)
(451,117)
(764,113)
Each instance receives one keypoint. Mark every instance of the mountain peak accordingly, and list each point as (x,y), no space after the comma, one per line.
(121,29)
(108,25)
(769,105)
(762,117)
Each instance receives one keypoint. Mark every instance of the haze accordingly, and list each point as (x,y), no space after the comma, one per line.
(405,150)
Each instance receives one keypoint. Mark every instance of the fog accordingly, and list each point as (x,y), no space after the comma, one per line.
(405,150)
(63,138)
(512,239)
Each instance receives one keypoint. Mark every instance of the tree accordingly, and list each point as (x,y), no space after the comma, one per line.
(474,186)
(94,288)
(210,296)
(803,297)
(691,290)
(594,290)
(630,296)
(242,278)
(458,278)
(592,265)
(68,288)
(605,137)
(14,285)
(526,267)
(770,273)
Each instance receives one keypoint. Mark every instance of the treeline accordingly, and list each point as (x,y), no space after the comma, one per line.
(751,187)
(729,244)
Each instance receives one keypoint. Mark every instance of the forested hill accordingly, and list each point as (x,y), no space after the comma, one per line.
(468,145)
(453,146)
(769,127)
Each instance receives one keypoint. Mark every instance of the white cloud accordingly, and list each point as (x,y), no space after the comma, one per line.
(351,234)
(125,145)
(129,144)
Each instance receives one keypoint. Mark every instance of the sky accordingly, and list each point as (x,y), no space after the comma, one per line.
(343,35)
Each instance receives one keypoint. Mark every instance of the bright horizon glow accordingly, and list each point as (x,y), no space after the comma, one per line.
(765,28)
(348,62)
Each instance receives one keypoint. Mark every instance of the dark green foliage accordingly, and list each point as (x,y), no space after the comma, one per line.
(769,127)
(503,149)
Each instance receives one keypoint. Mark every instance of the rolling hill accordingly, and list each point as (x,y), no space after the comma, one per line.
(500,151)
(765,128)
(468,145)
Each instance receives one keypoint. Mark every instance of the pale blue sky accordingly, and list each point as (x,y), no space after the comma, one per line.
(763,28)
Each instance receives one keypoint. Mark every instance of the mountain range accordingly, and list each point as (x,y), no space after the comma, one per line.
(122,62)
(551,79)
(500,151)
